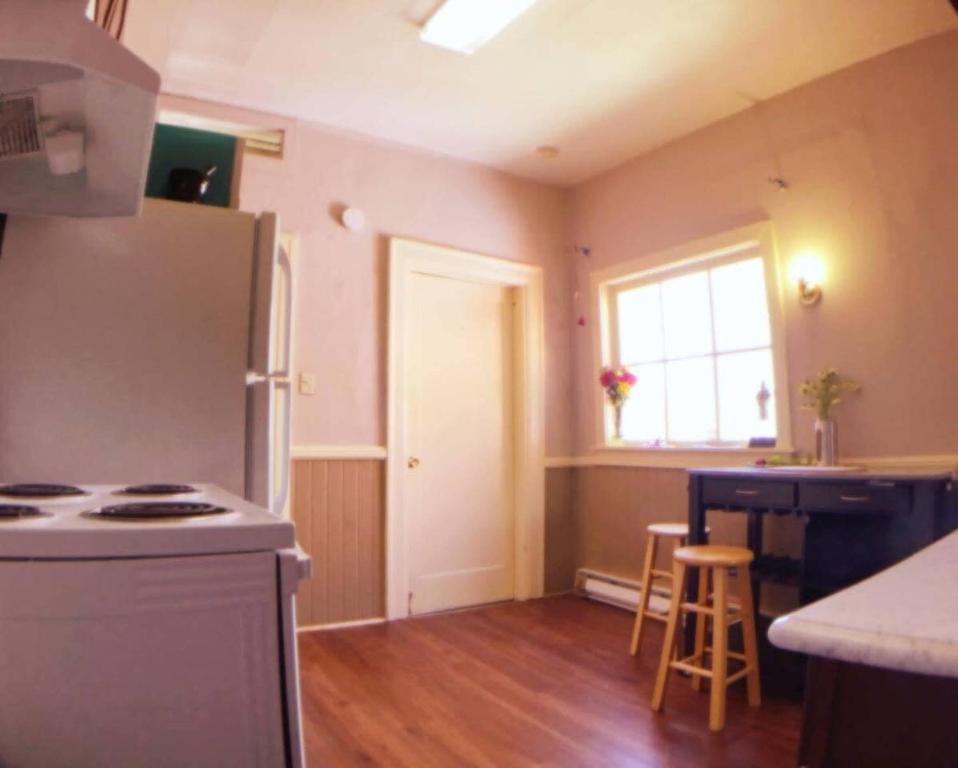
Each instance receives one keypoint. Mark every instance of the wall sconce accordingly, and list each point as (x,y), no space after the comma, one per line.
(808,272)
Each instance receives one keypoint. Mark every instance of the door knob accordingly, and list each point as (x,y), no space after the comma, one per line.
(413,462)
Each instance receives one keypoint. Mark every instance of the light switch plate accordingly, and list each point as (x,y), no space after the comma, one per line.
(307,383)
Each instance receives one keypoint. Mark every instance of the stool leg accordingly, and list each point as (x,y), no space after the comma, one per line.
(671,634)
(719,650)
(700,619)
(749,637)
(678,544)
(650,549)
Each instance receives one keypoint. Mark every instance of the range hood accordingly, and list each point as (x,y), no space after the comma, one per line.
(76,114)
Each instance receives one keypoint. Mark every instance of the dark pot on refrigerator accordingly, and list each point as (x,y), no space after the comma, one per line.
(189,185)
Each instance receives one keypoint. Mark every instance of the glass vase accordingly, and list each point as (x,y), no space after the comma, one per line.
(617,423)
(826,442)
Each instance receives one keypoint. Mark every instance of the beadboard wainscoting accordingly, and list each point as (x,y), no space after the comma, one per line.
(561,532)
(338,508)
(595,517)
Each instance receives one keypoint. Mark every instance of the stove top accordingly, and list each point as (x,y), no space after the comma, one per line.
(153,510)
(88,522)
(40,490)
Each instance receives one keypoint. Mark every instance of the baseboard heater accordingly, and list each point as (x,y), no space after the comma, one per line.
(622,593)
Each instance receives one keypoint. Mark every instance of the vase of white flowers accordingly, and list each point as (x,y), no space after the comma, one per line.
(821,395)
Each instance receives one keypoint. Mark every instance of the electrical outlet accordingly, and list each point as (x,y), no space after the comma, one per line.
(307,383)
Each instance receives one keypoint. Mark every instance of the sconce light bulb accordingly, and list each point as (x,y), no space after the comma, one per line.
(808,272)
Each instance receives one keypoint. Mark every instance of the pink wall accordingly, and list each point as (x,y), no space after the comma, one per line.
(342,278)
(869,154)
(871,157)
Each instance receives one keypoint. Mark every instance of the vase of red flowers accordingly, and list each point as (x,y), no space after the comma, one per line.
(617,383)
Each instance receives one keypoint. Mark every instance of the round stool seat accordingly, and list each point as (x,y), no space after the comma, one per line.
(669,530)
(713,556)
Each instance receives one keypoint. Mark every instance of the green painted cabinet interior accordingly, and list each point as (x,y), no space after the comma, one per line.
(176,147)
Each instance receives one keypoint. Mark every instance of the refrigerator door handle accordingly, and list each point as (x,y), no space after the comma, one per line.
(275,377)
(286,267)
(282,492)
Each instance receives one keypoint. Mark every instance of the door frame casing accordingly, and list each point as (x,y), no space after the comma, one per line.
(406,259)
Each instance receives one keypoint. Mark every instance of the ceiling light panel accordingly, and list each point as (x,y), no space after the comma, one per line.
(465,26)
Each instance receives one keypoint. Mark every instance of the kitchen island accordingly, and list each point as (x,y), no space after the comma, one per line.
(856,523)
(882,684)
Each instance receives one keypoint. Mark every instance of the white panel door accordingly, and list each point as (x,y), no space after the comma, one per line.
(461,442)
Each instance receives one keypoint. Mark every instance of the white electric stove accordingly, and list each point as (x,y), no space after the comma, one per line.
(146,626)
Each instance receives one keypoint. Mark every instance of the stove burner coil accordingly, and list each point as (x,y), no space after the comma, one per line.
(40,490)
(157,489)
(158,510)
(18,510)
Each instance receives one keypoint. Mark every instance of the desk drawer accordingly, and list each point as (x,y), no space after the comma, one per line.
(757,494)
(875,498)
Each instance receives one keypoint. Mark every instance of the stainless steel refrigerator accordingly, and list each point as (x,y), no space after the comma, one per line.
(148,349)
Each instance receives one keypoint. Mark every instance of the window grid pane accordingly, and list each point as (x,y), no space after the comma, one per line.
(740,312)
(696,389)
(686,316)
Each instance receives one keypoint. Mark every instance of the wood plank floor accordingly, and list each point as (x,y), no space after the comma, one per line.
(541,683)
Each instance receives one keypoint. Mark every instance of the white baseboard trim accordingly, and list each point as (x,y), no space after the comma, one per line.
(338,452)
(624,592)
(341,625)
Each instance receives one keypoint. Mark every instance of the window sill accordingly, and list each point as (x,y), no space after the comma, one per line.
(742,449)
(678,457)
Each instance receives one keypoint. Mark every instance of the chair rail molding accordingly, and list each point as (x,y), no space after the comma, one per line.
(309,451)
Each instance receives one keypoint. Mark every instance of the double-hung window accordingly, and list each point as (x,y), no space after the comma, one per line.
(700,335)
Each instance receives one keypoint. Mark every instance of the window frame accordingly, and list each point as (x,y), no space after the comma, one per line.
(696,256)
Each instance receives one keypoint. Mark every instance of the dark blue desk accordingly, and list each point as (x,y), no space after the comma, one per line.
(855,523)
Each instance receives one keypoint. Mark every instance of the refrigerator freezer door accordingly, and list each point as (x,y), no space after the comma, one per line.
(125,345)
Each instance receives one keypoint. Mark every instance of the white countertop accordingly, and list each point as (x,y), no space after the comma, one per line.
(904,618)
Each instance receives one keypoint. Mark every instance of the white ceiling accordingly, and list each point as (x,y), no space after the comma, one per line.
(603,80)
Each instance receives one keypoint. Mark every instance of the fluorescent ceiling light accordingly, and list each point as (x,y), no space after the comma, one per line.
(467,25)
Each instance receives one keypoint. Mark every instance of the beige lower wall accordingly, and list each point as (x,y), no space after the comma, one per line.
(596,517)
(561,534)
(339,510)
(614,506)
(338,506)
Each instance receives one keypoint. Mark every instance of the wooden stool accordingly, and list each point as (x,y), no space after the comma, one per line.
(678,533)
(717,560)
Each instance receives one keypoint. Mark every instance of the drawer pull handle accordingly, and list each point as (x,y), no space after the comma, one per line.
(858,499)
(745,492)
